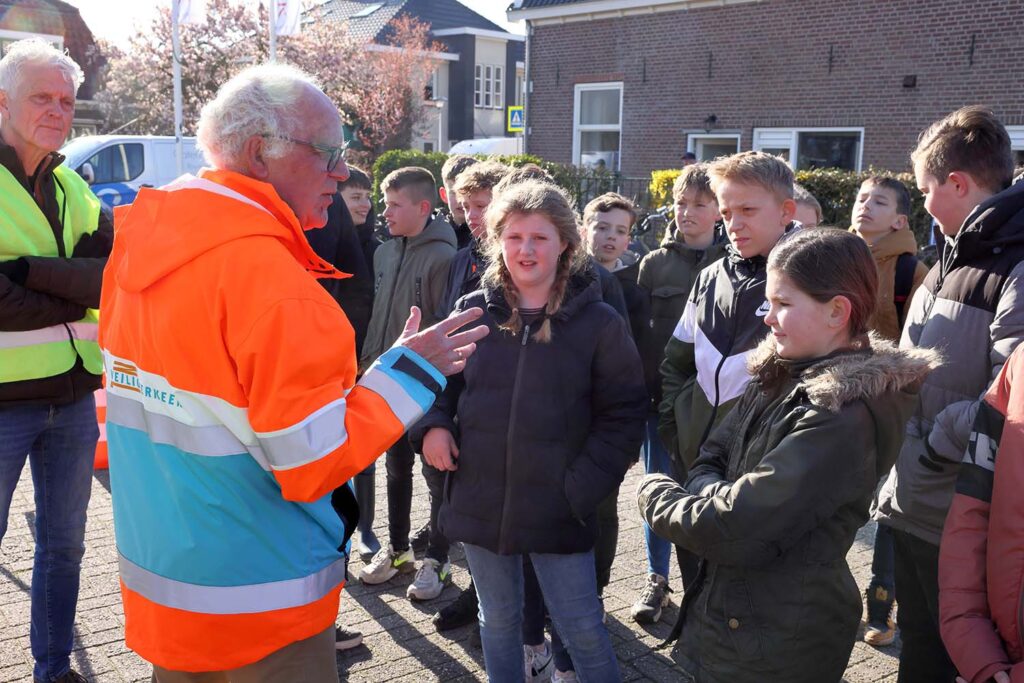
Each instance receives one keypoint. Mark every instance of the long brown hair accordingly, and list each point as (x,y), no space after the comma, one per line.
(824,263)
(550,201)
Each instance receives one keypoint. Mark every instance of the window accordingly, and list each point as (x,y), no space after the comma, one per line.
(488,86)
(597,125)
(117,163)
(709,146)
(1017,144)
(499,99)
(478,86)
(813,147)
(9,37)
(518,95)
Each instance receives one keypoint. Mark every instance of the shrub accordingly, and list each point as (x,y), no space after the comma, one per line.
(661,186)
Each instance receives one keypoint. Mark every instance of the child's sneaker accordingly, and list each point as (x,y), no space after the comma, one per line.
(880,629)
(564,677)
(538,664)
(386,563)
(459,612)
(430,580)
(647,608)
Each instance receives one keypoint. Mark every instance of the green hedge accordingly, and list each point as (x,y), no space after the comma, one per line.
(835,189)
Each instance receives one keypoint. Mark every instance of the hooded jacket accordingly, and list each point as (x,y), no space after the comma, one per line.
(705,366)
(981,558)
(667,275)
(467,267)
(970,310)
(626,271)
(772,506)
(545,430)
(408,271)
(886,252)
(232,414)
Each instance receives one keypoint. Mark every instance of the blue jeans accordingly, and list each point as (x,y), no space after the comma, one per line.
(60,443)
(883,562)
(569,584)
(656,460)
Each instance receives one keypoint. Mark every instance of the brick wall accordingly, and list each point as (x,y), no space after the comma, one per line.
(767,64)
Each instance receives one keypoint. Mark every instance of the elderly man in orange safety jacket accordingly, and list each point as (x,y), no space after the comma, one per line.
(233,408)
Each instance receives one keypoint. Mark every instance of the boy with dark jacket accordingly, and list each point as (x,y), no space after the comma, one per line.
(666,277)
(410,270)
(968,309)
(705,371)
(450,172)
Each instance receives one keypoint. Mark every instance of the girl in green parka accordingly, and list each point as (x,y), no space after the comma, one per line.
(775,499)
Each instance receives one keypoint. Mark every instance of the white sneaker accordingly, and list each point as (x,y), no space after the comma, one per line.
(430,580)
(564,677)
(385,564)
(538,664)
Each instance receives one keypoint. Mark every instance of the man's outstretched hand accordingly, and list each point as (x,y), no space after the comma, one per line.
(440,344)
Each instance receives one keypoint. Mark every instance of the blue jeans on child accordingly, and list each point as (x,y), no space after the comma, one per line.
(883,563)
(60,443)
(569,585)
(656,461)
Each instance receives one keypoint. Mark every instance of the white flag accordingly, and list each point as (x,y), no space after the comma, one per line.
(191,11)
(287,14)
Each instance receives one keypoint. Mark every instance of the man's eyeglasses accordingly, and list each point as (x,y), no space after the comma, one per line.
(334,155)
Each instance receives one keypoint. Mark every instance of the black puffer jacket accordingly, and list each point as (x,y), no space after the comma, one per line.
(638,304)
(464,274)
(545,430)
(773,505)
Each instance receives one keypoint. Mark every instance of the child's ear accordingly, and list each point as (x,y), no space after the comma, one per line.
(788,210)
(901,222)
(426,206)
(443,193)
(839,312)
(961,181)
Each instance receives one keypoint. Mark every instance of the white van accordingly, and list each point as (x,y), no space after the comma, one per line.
(116,166)
(500,145)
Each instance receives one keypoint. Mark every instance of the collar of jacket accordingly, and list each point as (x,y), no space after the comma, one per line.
(10,160)
(845,375)
(995,224)
(671,240)
(751,265)
(892,243)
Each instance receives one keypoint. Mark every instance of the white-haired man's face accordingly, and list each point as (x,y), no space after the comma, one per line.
(301,176)
(37,112)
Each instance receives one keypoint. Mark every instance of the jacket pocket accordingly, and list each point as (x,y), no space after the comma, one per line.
(667,303)
(741,624)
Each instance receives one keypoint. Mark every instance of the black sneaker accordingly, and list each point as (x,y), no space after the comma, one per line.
(345,639)
(419,539)
(459,612)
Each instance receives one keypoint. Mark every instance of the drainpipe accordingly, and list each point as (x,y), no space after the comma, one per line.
(529,90)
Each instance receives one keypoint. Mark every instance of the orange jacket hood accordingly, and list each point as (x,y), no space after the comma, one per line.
(168,227)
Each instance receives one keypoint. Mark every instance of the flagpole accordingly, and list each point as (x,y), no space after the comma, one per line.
(176,70)
(272,15)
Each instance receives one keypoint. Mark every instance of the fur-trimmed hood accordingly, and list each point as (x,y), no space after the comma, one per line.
(846,376)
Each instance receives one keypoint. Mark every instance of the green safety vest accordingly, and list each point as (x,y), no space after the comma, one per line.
(24,231)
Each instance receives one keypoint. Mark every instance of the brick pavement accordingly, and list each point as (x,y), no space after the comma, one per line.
(400,643)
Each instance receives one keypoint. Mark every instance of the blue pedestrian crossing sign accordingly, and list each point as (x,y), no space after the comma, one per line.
(515,120)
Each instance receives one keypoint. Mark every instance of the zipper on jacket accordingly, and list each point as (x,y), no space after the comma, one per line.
(503,526)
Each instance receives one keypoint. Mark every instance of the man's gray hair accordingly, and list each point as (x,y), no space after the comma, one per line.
(261,100)
(33,52)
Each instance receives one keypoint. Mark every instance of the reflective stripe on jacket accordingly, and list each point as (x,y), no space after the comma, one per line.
(233,413)
(24,231)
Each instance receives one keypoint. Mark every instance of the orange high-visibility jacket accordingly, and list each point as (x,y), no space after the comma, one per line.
(233,412)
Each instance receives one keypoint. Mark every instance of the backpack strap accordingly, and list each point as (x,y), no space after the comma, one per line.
(906,265)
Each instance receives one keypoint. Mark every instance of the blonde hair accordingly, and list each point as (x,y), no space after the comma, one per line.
(478,177)
(694,176)
(754,168)
(803,196)
(551,202)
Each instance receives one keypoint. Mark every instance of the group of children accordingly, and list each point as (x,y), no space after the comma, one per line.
(752,362)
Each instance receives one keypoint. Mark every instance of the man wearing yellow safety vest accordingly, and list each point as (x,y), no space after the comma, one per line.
(54,240)
(233,410)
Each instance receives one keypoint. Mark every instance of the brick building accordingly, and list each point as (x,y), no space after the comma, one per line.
(846,83)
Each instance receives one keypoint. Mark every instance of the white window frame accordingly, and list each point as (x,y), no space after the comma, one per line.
(498,100)
(693,136)
(478,85)
(1016,138)
(794,133)
(56,41)
(578,128)
(488,102)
